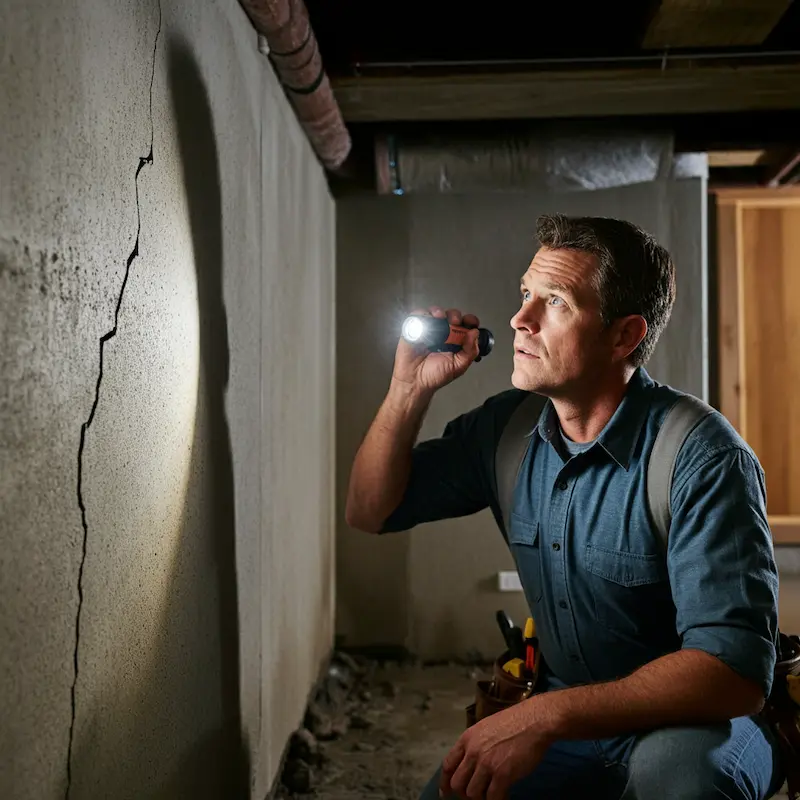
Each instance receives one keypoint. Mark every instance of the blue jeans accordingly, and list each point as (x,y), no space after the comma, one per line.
(736,761)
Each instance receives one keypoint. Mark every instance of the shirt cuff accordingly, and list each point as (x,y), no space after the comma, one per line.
(744,651)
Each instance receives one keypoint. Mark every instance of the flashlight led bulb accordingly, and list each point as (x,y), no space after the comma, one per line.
(413,329)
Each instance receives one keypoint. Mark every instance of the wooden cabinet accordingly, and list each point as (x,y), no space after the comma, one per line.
(758,280)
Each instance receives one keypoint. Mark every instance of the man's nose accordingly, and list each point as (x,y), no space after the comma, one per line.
(526,319)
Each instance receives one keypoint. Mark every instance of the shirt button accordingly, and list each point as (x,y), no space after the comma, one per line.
(561,484)
(556,546)
(562,604)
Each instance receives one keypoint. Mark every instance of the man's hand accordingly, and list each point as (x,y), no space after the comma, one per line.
(418,369)
(494,754)
(688,687)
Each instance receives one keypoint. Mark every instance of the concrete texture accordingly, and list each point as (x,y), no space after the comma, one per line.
(434,590)
(166,287)
(371,287)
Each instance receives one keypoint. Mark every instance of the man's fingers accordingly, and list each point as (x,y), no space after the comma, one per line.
(453,316)
(470,321)
(498,788)
(437,311)
(449,766)
(463,776)
(479,784)
(468,353)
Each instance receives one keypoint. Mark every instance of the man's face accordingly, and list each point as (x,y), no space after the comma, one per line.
(560,342)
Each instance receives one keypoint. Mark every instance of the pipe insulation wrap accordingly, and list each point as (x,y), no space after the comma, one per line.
(552,158)
(295,56)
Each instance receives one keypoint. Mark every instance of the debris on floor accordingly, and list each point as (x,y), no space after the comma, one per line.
(377,730)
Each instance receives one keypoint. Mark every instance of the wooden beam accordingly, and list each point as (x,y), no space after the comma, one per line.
(713,23)
(678,89)
(760,197)
(734,158)
(785,172)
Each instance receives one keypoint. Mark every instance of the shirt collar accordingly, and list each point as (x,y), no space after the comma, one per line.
(621,432)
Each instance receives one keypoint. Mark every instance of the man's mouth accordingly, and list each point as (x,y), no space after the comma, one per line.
(523,353)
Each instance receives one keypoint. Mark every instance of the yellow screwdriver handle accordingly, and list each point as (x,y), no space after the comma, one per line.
(514,667)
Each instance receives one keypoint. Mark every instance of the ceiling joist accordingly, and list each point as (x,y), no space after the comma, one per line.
(677,89)
(713,23)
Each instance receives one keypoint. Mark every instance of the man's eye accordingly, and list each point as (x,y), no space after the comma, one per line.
(526,295)
(556,301)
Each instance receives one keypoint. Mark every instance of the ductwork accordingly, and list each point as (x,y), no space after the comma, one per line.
(551,156)
(295,55)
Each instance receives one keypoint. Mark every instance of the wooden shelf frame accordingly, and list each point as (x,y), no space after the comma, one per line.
(732,282)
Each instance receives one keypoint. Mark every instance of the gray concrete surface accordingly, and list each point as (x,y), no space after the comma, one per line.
(205,555)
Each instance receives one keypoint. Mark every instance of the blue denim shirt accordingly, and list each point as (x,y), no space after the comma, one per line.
(605,596)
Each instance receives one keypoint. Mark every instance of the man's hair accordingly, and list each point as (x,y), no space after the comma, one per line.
(635,276)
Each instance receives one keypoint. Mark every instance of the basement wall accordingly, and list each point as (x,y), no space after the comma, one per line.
(166,404)
(434,590)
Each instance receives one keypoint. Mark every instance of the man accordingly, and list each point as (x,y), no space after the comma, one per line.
(656,665)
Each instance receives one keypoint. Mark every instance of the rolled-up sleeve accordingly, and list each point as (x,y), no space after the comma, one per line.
(721,563)
(447,477)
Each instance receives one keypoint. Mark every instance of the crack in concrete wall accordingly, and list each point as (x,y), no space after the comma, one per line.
(143,160)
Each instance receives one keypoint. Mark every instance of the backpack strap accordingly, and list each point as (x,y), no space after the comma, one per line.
(511,449)
(682,418)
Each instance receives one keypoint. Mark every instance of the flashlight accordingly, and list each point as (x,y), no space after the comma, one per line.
(439,336)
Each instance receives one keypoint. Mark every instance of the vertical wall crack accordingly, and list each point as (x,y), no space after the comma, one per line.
(148,159)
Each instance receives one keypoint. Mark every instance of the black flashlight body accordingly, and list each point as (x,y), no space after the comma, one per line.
(439,336)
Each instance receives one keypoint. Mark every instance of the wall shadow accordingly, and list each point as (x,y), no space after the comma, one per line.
(200,167)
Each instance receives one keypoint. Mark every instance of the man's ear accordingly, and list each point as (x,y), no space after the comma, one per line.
(628,335)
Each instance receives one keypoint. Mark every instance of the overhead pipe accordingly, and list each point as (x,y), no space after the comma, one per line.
(550,156)
(294,53)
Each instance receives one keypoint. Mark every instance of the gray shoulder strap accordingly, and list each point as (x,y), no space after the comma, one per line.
(511,450)
(682,418)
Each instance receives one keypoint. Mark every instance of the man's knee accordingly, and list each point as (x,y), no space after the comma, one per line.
(731,761)
(678,762)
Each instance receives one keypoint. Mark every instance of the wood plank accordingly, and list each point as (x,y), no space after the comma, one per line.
(755,196)
(765,245)
(740,311)
(728,314)
(767,406)
(678,89)
(713,23)
(785,529)
(734,158)
(791,372)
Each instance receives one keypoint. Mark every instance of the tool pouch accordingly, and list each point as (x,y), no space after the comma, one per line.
(502,691)
(782,712)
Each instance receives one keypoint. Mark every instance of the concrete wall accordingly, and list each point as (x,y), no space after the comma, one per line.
(434,589)
(183,310)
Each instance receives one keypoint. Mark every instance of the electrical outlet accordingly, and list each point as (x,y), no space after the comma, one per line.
(508,581)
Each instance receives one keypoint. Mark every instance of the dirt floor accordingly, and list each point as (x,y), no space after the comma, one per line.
(386,738)
(378,731)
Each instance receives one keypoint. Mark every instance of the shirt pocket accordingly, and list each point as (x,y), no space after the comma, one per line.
(523,540)
(627,588)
